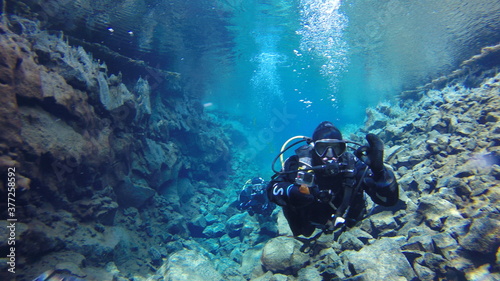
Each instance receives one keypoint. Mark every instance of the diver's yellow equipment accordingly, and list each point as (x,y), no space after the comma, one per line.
(304,189)
(285,144)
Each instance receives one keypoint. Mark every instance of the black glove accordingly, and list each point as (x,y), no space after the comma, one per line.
(373,155)
(297,197)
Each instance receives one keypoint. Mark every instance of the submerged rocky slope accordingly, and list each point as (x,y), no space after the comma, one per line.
(126,178)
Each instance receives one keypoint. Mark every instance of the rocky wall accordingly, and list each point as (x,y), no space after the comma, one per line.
(92,153)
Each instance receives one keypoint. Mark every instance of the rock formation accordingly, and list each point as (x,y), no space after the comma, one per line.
(92,150)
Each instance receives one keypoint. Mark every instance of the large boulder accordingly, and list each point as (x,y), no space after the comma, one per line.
(189,265)
(283,255)
(436,210)
(382,260)
(133,194)
(482,236)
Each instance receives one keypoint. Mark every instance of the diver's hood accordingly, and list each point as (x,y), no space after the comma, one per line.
(326,130)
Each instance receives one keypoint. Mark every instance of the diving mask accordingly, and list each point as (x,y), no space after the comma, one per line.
(338,147)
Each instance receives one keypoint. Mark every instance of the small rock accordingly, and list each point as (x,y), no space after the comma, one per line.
(214,230)
(482,236)
(156,257)
(424,273)
(236,255)
(383,221)
(422,242)
(445,244)
(434,261)
(211,219)
(197,225)
(492,117)
(457,227)
(309,273)
(482,273)
(72,268)
(361,235)
(350,242)
(465,129)
(235,223)
(251,265)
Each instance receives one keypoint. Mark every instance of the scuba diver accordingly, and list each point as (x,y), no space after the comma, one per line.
(253,198)
(322,185)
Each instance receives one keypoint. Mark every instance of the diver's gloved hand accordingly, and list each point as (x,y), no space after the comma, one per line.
(373,154)
(299,195)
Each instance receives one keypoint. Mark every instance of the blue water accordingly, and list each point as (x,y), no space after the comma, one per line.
(277,68)
(329,60)
(322,59)
(265,70)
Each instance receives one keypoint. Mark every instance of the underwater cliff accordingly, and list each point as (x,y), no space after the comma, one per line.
(78,140)
(127,175)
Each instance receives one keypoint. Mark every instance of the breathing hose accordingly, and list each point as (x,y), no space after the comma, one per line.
(285,144)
